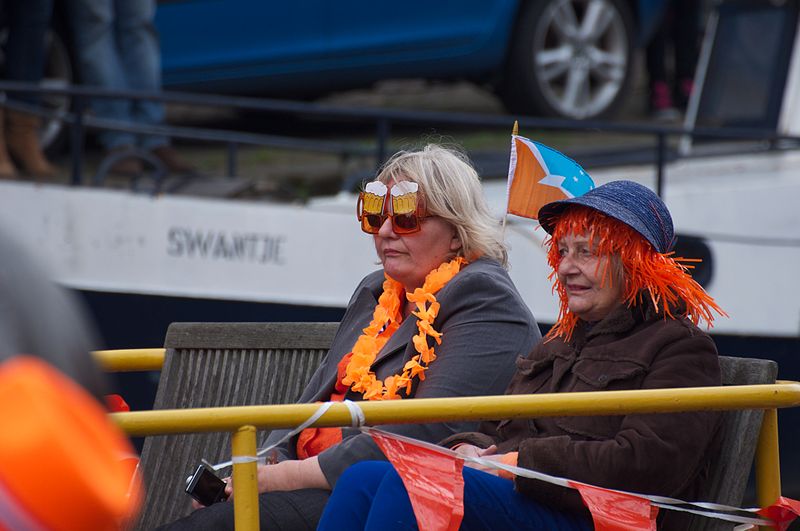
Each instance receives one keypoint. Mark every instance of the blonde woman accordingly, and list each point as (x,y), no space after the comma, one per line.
(441,318)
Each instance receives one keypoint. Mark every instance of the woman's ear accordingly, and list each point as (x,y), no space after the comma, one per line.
(455,241)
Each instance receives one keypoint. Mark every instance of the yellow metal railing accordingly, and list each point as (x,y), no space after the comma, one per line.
(244,420)
(130,360)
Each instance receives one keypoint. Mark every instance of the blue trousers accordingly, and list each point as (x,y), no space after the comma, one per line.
(117,48)
(371,496)
(25,49)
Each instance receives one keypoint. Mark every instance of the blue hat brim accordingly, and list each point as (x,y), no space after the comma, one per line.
(608,200)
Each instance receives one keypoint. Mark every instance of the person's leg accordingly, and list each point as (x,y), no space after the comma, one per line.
(140,59)
(661,105)
(296,510)
(99,64)
(490,503)
(351,500)
(25,54)
(25,49)
(686,39)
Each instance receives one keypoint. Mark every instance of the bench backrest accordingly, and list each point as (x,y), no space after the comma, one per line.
(221,364)
(731,467)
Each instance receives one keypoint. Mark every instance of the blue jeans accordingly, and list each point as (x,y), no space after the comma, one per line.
(25,49)
(117,48)
(371,496)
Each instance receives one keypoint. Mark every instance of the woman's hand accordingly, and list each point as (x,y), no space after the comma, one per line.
(490,453)
(498,458)
(287,475)
(470,450)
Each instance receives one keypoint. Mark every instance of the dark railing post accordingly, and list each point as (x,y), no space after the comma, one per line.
(233,150)
(77,139)
(661,160)
(383,132)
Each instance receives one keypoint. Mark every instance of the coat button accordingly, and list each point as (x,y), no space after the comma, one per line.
(602,378)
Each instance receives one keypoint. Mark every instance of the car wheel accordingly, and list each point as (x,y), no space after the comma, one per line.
(570,58)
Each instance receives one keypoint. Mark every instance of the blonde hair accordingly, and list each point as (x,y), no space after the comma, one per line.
(451,189)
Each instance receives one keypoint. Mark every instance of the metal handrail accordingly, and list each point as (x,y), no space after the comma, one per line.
(130,360)
(243,421)
(382,118)
(216,419)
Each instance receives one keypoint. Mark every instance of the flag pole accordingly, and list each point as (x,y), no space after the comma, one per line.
(514,132)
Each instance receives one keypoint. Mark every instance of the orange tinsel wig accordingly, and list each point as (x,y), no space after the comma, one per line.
(646,273)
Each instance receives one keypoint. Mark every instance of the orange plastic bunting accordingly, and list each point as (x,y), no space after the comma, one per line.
(116,404)
(433,481)
(615,511)
(783,512)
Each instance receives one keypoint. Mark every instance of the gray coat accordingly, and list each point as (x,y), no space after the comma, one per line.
(485,325)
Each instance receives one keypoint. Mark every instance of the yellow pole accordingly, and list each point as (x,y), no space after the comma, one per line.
(787,394)
(768,470)
(245,484)
(128,360)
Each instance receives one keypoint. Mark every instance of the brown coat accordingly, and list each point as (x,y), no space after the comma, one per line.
(664,454)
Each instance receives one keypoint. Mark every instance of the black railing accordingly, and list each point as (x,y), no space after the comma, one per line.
(382,119)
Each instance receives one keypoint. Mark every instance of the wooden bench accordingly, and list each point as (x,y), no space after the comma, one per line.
(228,364)
(731,466)
(221,364)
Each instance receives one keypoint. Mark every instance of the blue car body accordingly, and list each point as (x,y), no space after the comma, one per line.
(310,47)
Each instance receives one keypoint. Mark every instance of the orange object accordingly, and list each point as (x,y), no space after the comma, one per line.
(783,512)
(433,480)
(61,459)
(353,370)
(385,321)
(116,404)
(616,511)
(313,441)
(526,193)
(509,459)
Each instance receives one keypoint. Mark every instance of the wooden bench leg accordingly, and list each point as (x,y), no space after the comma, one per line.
(245,485)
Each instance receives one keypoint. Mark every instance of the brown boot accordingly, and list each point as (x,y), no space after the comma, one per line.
(7,169)
(22,137)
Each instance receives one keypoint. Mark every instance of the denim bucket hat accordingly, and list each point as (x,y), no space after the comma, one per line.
(631,203)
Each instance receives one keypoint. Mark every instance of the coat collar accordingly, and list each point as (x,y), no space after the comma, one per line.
(621,320)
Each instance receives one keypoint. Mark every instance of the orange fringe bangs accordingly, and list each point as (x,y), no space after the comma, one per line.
(647,273)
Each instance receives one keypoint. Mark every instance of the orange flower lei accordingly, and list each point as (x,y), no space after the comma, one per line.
(386,320)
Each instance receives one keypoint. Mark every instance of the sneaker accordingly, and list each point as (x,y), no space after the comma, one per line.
(661,102)
(172,161)
(684,92)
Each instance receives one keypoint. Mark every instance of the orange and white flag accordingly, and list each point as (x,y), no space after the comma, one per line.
(538,175)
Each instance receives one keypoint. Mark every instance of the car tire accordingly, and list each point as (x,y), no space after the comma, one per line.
(556,69)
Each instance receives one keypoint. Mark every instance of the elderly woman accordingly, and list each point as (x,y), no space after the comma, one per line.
(628,321)
(442,318)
